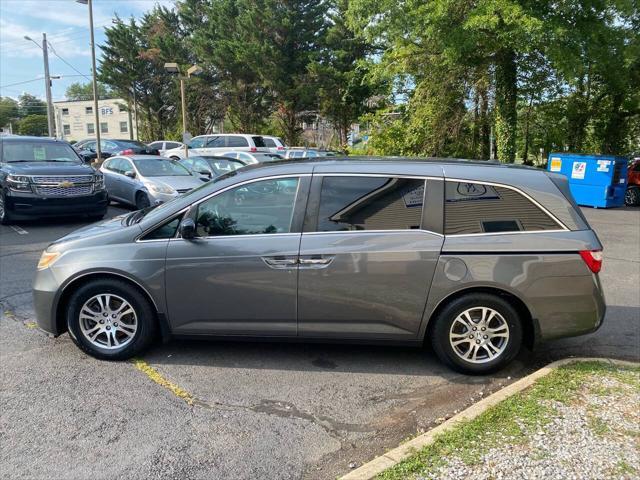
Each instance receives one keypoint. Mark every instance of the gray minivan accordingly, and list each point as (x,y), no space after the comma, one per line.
(475,258)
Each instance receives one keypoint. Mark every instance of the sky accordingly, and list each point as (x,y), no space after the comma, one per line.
(66,24)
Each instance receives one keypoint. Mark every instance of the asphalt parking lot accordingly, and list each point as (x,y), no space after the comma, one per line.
(260,410)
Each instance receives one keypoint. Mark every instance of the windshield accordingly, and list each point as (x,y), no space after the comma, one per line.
(156,167)
(16,151)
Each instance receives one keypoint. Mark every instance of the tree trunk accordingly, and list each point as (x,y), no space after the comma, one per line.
(485,134)
(525,154)
(506,112)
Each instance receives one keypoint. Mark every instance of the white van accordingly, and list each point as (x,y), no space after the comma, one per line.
(209,145)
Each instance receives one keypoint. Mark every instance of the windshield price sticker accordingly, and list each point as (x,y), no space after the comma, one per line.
(39,153)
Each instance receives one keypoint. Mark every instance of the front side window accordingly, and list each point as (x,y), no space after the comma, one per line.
(151,167)
(165,231)
(197,142)
(234,142)
(479,208)
(370,203)
(261,207)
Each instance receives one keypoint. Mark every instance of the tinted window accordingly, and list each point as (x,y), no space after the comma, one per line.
(220,166)
(258,141)
(268,142)
(15,151)
(237,142)
(150,167)
(168,230)
(479,208)
(370,203)
(197,142)
(172,145)
(157,145)
(257,208)
(216,142)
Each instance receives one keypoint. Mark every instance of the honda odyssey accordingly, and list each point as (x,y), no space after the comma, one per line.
(475,258)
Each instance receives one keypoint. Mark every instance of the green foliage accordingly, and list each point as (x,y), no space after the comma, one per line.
(84,91)
(35,125)
(9,110)
(31,105)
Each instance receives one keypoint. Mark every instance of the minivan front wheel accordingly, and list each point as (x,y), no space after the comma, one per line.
(110,320)
(477,333)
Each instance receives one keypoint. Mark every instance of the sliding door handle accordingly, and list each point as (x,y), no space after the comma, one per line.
(316,261)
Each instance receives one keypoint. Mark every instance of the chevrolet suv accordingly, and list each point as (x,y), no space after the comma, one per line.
(44,177)
(474,258)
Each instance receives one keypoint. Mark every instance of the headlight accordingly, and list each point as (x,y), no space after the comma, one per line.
(99,182)
(19,183)
(47,259)
(160,188)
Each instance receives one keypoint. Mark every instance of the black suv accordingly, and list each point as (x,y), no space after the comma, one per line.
(46,177)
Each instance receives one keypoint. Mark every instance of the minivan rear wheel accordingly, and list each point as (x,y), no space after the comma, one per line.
(477,333)
(110,320)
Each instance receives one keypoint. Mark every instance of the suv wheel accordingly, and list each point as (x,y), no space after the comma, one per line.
(110,320)
(477,333)
(632,197)
(5,216)
(142,200)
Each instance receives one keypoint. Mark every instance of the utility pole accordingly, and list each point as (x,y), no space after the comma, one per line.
(47,80)
(184,115)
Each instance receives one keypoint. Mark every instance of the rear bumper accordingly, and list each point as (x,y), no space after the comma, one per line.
(28,205)
(568,306)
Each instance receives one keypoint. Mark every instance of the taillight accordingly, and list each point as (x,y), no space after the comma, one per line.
(253,149)
(128,151)
(593,259)
(280,148)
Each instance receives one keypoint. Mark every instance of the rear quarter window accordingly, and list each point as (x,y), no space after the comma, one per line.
(472,208)
(237,142)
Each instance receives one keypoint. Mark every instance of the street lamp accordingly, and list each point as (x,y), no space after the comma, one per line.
(173,69)
(95,81)
(47,80)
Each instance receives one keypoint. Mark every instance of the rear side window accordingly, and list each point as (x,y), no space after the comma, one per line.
(268,142)
(237,142)
(258,141)
(370,203)
(480,208)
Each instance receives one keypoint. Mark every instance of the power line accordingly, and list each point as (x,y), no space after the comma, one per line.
(22,83)
(53,50)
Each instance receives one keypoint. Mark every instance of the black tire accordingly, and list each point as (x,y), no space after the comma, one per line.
(632,197)
(147,326)
(5,215)
(142,200)
(442,328)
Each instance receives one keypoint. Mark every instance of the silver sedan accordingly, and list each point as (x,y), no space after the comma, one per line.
(144,180)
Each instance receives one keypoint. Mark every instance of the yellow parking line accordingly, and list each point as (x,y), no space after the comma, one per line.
(157,377)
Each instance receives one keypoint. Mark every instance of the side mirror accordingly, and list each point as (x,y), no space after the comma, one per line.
(188,229)
(130,174)
(204,173)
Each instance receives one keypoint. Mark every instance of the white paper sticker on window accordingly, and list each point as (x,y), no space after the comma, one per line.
(578,170)
(603,165)
(413,198)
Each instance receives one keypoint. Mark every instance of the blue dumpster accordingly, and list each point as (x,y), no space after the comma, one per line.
(595,180)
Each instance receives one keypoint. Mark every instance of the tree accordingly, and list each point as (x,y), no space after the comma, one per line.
(9,110)
(34,125)
(84,91)
(31,105)
(345,87)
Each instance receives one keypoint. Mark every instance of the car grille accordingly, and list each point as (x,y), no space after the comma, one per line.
(55,191)
(54,180)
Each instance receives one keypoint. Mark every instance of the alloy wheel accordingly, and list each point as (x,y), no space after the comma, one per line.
(479,335)
(108,321)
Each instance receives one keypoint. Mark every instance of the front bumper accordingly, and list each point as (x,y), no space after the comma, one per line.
(29,205)
(45,290)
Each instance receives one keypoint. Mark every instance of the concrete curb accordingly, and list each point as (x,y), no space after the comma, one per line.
(379,464)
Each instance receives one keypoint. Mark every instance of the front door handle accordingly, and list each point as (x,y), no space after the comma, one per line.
(281,261)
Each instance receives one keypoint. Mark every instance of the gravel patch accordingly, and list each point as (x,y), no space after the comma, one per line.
(595,436)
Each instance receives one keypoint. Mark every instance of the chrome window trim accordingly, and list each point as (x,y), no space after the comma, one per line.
(377,175)
(404,230)
(484,234)
(217,237)
(517,190)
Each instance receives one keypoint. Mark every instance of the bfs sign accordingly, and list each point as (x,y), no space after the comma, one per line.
(106,110)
